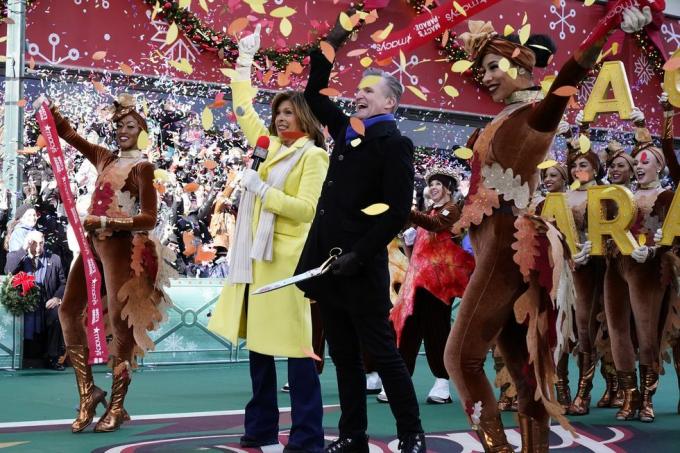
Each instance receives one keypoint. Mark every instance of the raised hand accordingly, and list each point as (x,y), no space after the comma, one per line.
(637,116)
(634,20)
(248,47)
(338,34)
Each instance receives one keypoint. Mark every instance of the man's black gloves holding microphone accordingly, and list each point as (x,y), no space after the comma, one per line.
(346,265)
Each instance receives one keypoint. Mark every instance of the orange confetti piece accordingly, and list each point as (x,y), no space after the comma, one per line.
(283,79)
(565,91)
(191,187)
(237,26)
(330,92)
(41,142)
(210,164)
(125,69)
(310,353)
(357,125)
(327,50)
(356,52)
(672,64)
(99,55)
(294,67)
(21,103)
(98,86)
(31,63)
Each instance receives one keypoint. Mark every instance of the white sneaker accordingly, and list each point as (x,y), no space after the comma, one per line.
(373,383)
(382,397)
(439,394)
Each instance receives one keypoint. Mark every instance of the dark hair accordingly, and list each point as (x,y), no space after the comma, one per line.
(305,118)
(541,45)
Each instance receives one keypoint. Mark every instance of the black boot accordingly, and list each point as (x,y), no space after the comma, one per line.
(413,443)
(356,444)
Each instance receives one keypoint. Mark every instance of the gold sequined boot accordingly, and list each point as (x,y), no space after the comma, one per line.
(506,403)
(90,394)
(534,434)
(492,436)
(581,403)
(609,397)
(115,414)
(631,395)
(649,381)
(562,384)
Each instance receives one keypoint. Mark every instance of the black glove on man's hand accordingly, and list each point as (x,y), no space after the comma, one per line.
(346,265)
(338,35)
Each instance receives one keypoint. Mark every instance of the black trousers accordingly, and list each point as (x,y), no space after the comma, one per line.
(430,322)
(348,333)
(53,335)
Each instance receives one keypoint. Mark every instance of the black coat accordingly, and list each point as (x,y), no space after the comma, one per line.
(378,170)
(54,283)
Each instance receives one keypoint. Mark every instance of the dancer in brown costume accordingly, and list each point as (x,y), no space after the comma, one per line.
(517,140)
(123,209)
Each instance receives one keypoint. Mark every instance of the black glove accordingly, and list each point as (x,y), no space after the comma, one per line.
(346,265)
(338,35)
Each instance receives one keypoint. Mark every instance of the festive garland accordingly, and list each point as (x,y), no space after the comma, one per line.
(19,294)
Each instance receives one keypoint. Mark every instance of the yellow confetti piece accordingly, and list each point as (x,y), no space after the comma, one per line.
(369,81)
(451,91)
(420,129)
(402,60)
(512,72)
(156,10)
(183,65)
(207,119)
(575,185)
(161,175)
(376,209)
(282,12)
(461,66)
(228,72)
(143,140)
(366,62)
(256,5)
(345,21)
(642,239)
(589,2)
(381,35)
(417,92)
(285,27)
(463,153)
(546,164)
(524,33)
(459,8)
(204,5)
(171,36)
(504,64)
(184,3)
(356,142)
(584,143)
(508,30)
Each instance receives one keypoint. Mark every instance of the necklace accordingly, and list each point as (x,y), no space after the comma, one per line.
(652,185)
(524,96)
(132,154)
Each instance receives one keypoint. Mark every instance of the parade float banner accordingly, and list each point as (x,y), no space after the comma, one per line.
(96,330)
(429,25)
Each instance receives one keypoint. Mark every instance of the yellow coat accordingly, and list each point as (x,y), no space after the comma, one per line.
(278,323)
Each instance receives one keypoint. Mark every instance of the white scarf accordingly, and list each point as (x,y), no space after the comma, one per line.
(245,249)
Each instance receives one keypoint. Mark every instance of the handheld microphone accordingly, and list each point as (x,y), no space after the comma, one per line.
(260,152)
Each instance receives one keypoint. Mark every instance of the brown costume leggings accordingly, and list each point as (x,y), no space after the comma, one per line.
(588,285)
(113,256)
(486,317)
(634,288)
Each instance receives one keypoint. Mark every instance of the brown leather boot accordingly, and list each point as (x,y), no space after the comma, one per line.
(586,370)
(116,414)
(609,397)
(631,395)
(90,394)
(534,434)
(562,384)
(492,436)
(649,381)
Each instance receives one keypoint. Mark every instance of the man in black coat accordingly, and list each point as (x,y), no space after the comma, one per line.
(367,167)
(46,267)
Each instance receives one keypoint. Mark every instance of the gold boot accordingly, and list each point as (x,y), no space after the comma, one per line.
(534,434)
(586,368)
(90,394)
(649,381)
(562,384)
(116,414)
(631,395)
(492,436)
(609,397)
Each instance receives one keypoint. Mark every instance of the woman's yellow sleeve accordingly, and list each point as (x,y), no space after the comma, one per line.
(249,121)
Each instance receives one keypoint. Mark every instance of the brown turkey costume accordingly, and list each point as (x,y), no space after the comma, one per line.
(510,299)
(122,211)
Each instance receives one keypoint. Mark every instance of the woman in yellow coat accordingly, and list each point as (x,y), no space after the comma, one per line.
(274,217)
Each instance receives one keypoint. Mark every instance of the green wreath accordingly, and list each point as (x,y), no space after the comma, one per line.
(17,298)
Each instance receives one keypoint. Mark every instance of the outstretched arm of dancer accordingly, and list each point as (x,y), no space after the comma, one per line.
(548,113)
(441,221)
(667,139)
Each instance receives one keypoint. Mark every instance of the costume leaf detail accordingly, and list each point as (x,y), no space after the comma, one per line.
(507,184)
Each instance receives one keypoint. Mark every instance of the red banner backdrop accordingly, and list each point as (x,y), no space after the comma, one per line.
(68,33)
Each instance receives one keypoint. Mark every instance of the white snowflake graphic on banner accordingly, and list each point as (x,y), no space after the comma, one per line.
(668,30)
(181,48)
(584,89)
(403,70)
(643,70)
(563,19)
(53,39)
